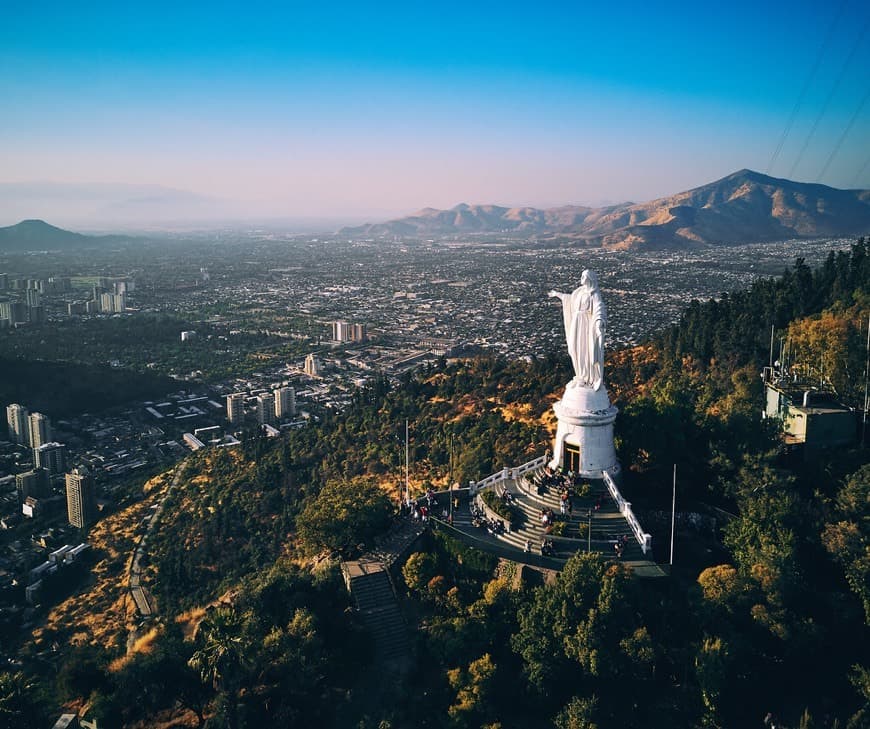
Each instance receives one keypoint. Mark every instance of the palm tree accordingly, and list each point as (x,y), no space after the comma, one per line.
(221,656)
(17,708)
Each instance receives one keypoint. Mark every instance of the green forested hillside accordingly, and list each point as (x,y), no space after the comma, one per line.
(65,388)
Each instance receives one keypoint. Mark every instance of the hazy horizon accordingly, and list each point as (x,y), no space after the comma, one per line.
(353,115)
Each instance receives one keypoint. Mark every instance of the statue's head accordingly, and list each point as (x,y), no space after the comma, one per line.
(588,278)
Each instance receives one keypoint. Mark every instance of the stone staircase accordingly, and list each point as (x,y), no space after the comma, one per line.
(373,595)
(608,525)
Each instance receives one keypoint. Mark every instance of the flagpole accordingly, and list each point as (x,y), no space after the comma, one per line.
(866,369)
(673,514)
(450,480)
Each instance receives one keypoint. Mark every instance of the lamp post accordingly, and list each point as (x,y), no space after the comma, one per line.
(589,530)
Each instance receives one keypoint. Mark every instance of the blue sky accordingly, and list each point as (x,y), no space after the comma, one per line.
(371,109)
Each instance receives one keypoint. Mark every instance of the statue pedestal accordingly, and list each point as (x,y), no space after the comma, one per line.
(584,438)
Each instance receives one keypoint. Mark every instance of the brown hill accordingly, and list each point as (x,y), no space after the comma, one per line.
(745,207)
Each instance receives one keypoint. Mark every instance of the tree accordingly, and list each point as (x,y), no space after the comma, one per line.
(848,539)
(721,586)
(420,568)
(18,710)
(584,630)
(712,668)
(473,689)
(344,514)
(221,657)
(578,713)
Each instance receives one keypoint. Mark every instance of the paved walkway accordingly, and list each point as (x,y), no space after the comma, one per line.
(143,599)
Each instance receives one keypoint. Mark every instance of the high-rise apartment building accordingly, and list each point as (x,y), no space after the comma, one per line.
(113,303)
(14,311)
(51,457)
(342,331)
(34,298)
(16,419)
(236,407)
(265,409)
(81,498)
(285,402)
(32,483)
(36,314)
(312,366)
(39,428)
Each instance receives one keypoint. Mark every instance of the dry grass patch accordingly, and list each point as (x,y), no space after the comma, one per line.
(101,611)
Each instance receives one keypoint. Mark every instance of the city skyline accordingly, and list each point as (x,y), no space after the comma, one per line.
(360,115)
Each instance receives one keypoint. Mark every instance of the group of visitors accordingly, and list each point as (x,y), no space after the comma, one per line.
(480,520)
(619,545)
(551,479)
(548,548)
(420,508)
(547,519)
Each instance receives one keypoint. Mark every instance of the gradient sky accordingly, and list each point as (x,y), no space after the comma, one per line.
(373,109)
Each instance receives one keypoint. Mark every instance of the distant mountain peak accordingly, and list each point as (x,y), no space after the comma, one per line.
(36,224)
(34,234)
(743,207)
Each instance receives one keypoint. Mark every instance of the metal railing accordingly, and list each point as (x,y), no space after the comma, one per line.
(624,507)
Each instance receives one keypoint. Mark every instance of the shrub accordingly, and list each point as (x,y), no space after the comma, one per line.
(499,507)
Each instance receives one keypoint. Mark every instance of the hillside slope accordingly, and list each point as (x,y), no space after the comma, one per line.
(37,235)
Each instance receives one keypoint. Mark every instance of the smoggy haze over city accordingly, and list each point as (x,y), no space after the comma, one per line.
(351,112)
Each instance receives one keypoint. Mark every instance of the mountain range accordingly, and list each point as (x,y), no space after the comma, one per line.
(744,207)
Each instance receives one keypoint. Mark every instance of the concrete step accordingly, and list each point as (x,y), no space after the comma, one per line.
(379,611)
(388,630)
(372,590)
(550,497)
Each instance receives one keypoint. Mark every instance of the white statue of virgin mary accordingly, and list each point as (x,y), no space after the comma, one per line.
(585,317)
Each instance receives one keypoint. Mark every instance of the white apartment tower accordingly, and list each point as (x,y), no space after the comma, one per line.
(312,366)
(17,420)
(236,407)
(265,409)
(285,402)
(51,457)
(342,331)
(39,428)
(81,498)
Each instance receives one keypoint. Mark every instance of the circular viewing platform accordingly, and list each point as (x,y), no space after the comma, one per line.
(551,519)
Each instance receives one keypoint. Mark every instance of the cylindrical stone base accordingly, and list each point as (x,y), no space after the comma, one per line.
(584,437)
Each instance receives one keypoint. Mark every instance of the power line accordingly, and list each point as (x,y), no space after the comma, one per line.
(805,88)
(843,136)
(830,96)
(860,172)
